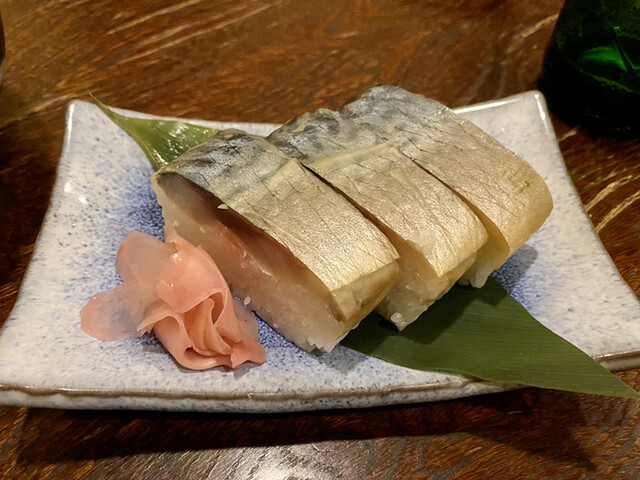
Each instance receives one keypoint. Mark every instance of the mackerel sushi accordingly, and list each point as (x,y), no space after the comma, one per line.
(435,233)
(297,252)
(503,190)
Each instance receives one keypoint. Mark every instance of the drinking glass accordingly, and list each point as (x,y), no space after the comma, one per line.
(591,71)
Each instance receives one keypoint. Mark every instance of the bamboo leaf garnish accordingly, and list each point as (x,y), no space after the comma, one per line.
(485,333)
(161,140)
(480,333)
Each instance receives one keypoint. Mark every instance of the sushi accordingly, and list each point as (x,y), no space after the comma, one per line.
(435,233)
(508,196)
(299,254)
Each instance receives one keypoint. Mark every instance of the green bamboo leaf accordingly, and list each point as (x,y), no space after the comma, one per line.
(485,333)
(161,140)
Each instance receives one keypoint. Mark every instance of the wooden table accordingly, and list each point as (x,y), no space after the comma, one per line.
(267,61)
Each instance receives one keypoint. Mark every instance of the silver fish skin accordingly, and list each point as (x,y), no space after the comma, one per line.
(435,233)
(502,189)
(252,183)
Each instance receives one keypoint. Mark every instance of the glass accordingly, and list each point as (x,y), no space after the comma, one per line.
(591,71)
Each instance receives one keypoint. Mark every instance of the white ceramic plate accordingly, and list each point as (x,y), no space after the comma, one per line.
(563,276)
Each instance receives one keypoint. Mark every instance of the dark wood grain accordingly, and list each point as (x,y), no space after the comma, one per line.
(267,61)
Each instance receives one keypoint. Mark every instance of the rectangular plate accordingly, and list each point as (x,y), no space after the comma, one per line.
(563,276)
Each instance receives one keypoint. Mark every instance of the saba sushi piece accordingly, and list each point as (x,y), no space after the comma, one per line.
(435,233)
(504,191)
(297,252)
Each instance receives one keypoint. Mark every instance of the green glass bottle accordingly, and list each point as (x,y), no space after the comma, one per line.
(591,71)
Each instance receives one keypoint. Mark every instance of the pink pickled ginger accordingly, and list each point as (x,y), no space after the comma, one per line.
(175,290)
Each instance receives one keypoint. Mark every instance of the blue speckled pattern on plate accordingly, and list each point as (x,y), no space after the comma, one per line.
(563,276)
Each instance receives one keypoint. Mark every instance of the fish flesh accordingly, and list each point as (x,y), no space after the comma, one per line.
(299,253)
(435,233)
(503,190)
